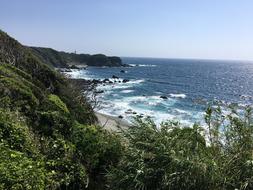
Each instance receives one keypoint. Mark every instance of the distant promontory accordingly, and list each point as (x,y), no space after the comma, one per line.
(62,59)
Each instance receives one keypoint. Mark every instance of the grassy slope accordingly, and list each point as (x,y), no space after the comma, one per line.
(48,139)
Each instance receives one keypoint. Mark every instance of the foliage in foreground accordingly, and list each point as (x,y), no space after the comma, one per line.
(174,157)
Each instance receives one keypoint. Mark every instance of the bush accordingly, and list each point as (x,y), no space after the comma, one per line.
(77,104)
(96,147)
(231,138)
(18,86)
(98,150)
(15,133)
(53,122)
(62,166)
(58,104)
(168,157)
(174,157)
(17,171)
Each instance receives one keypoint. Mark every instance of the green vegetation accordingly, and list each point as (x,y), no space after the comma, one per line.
(46,137)
(62,59)
(57,103)
(175,157)
(50,56)
(49,138)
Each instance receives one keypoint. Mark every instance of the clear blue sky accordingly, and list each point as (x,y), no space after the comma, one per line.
(218,29)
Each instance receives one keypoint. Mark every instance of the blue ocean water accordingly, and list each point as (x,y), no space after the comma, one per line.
(189,85)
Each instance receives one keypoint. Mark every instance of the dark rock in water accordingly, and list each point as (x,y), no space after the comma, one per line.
(110,82)
(106,80)
(125,80)
(134,112)
(126,65)
(129,111)
(100,91)
(122,71)
(120,116)
(95,81)
(164,97)
(114,77)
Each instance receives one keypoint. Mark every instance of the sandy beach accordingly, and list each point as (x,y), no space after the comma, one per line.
(112,123)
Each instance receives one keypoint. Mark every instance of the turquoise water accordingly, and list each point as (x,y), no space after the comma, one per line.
(189,86)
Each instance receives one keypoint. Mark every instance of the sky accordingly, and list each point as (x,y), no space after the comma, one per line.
(205,29)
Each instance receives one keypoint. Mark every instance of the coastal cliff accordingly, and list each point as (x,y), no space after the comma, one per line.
(62,59)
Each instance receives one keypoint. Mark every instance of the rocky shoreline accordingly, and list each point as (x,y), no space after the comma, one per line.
(114,79)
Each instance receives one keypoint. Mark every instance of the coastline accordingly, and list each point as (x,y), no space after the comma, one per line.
(108,122)
(112,123)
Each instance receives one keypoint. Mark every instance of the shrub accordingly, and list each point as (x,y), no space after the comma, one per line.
(63,169)
(168,157)
(19,93)
(231,145)
(96,147)
(98,150)
(17,171)
(15,133)
(19,87)
(58,104)
(174,157)
(54,122)
(77,104)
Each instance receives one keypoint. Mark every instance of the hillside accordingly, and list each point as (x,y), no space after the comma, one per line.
(63,59)
(49,139)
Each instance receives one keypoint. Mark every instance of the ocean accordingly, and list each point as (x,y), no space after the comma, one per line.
(188,85)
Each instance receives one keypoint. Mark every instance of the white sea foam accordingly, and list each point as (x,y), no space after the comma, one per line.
(120,85)
(132,65)
(149,106)
(178,95)
(142,65)
(126,91)
(119,108)
(180,111)
(79,74)
(135,81)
